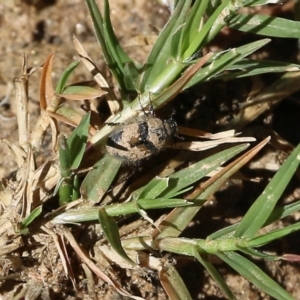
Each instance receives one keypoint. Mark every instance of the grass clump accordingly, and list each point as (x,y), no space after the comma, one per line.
(82,185)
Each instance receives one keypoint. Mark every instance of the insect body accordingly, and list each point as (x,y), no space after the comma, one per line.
(137,141)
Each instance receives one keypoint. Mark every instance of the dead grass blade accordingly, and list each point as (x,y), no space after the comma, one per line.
(173,284)
(48,102)
(112,101)
(61,248)
(200,146)
(67,234)
(175,217)
(234,166)
(46,86)
(21,86)
(286,85)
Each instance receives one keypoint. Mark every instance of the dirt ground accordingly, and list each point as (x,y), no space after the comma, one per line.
(39,27)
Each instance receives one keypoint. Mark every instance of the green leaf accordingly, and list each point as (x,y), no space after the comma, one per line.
(264,25)
(262,208)
(66,191)
(216,276)
(77,92)
(68,186)
(131,74)
(247,67)
(181,217)
(274,235)
(78,140)
(91,214)
(115,56)
(177,42)
(111,232)
(65,157)
(99,179)
(186,177)
(278,213)
(255,275)
(65,76)
(222,61)
(258,254)
(193,24)
(153,189)
(160,54)
(116,51)
(76,188)
(168,93)
(23,227)
(200,39)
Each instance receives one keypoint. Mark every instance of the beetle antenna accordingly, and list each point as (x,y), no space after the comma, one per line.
(151,109)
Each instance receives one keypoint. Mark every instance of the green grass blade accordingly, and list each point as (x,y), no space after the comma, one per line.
(216,276)
(116,51)
(131,74)
(23,227)
(91,214)
(161,52)
(153,189)
(262,208)
(99,29)
(278,213)
(65,157)
(76,188)
(222,61)
(255,275)
(265,25)
(180,217)
(65,76)
(173,284)
(274,235)
(168,92)
(186,34)
(65,164)
(80,92)
(257,254)
(78,140)
(193,24)
(66,191)
(113,53)
(247,67)
(176,43)
(200,37)
(111,232)
(99,179)
(186,177)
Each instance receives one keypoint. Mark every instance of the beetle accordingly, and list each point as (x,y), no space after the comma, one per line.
(138,141)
